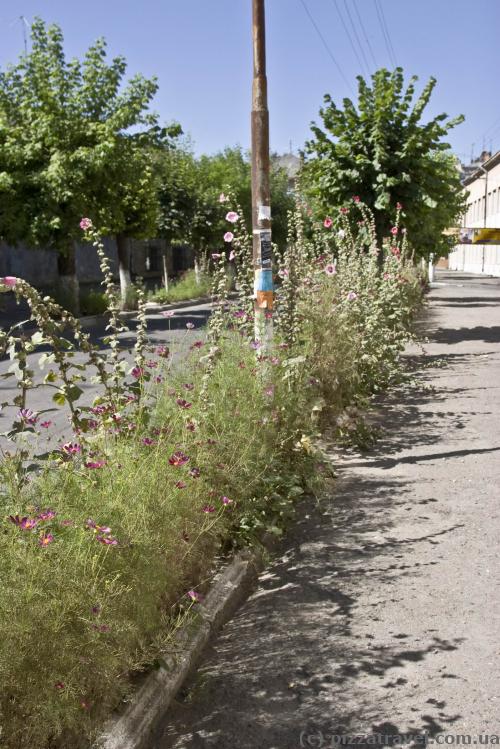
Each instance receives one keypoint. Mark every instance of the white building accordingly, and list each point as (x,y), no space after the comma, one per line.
(483,211)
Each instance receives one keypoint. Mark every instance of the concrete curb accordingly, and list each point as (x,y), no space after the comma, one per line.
(135,727)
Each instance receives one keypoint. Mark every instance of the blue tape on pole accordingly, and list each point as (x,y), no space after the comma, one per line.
(264,280)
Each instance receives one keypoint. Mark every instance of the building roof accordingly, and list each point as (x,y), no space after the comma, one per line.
(487,165)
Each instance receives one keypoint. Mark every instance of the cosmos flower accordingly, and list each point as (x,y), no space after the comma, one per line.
(178,459)
(194,596)
(45,539)
(182,403)
(28,416)
(208,508)
(46,515)
(167,313)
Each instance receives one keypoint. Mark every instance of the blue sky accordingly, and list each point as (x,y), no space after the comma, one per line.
(200,50)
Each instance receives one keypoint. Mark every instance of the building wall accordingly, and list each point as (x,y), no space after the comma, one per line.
(481,258)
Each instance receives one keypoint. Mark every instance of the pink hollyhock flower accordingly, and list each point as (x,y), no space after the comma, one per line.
(232,217)
(330,269)
(222,198)
(399,206)
(137,372)
(46,424)
(167,313)
(232,255)
(180,485)
(178,459)
(189,325)
(46,515)
(351,296)
(327,223)
(45,539)
(396,251)
(226,501)
(71,448)
(85,224)
(194,596)
(283,273)
(228,236)
(356,198)
(344,210)
(9,281)
(208,508)
(182,403)
(216,255)
(394,231)
(386,276)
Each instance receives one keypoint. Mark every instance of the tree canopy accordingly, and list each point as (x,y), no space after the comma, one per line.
(380,150)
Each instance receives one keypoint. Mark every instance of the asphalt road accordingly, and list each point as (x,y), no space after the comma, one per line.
(380,616)
(171,332)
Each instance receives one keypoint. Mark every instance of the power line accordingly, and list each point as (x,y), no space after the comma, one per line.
(325,44)
(362,27)
(360,63)
(385,32)
(353,25)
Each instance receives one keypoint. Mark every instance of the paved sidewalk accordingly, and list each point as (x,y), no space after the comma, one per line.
(381,614)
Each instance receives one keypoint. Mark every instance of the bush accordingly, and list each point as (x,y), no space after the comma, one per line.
(187,287)
(93,303)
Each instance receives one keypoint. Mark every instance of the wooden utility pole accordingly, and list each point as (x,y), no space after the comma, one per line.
(261,195)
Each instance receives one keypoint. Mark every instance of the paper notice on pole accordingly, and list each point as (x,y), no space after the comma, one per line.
(264,213)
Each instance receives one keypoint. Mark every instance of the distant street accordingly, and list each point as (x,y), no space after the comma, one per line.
(171,332)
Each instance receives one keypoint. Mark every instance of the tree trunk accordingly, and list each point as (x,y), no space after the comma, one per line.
(68,280)
(165,272)
(123,247)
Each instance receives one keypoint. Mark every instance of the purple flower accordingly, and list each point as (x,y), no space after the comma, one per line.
(94,464)
(232,217)
(85,224)
(25,524)
(148,441)
(45,539)
(182,403)
(46,515)
(228,236)
(188,386)
(178,459)
(28,416)
(255,345)
(330,269)
(226,501)
(194,596)
(208,508)
(162,351)
(137,372)
(45,424)
(351,296)
(106,540)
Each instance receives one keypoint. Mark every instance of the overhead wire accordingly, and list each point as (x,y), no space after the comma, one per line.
(326,46)
(353,25)
(362,27)
(348,33)
(385,32)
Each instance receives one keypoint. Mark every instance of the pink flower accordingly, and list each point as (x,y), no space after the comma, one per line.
(222,198)
(46,515)
(137,372)
(351,296)
(255,345)
(188,386)
(178,459)
(327,223)
(396,251)
(399,207)
(9,281)
(167,313)
(344,210)
(25,524)
(71,448)
(194,596)
(28,416)
(191,426)
(46,424)
(232,255)
(330,269)
(180,485)
(189,325)
(182,403)
(162,351)
(386,276)
(106,540)
(45,539)
(232,217)
(148,441)
(356,198)
(85,224)
(226,501)
(269,391)
(216,255)
(394,231)
(197,344)
(208,508)
(228,236)
(59,685)
(95,464)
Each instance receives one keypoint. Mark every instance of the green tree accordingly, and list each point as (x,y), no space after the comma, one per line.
(382,152)
(66,151)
